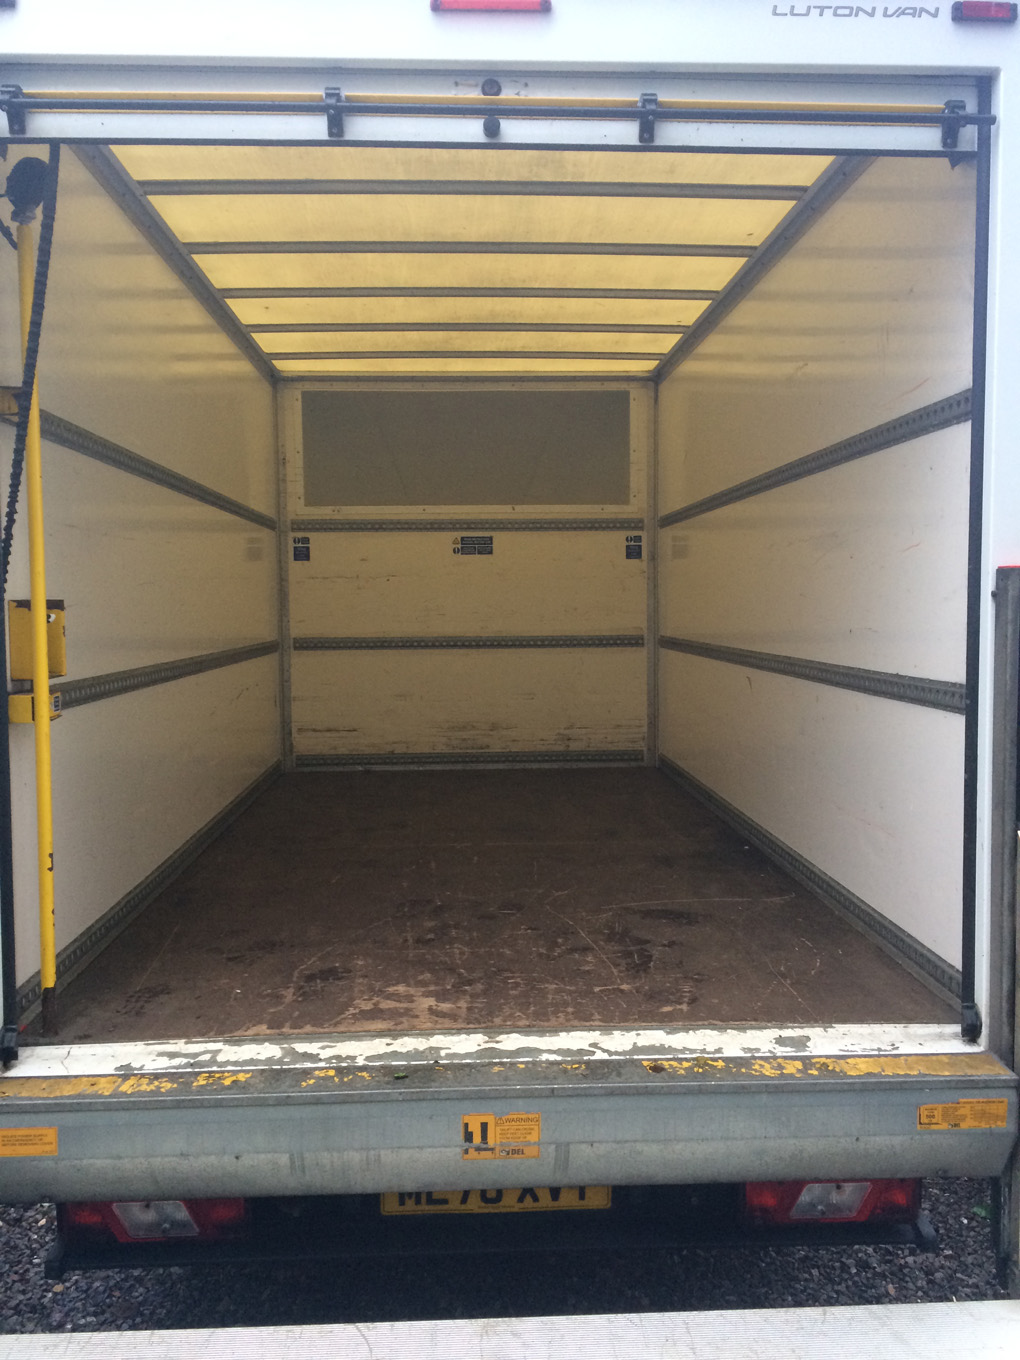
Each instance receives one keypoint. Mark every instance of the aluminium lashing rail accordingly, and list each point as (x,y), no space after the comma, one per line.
(647,110)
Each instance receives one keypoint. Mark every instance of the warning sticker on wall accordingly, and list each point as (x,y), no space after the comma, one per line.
(510,1136)
(28,1142)
(964,1114)
(633,548)
(302,549)
(473,545)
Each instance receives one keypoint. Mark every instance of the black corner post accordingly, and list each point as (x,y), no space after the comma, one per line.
(8,970)
(1001,1020)
(971,1023)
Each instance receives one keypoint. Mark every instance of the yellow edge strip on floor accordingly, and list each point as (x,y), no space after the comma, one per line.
(959,1065)
(912,1065)
(49,1088)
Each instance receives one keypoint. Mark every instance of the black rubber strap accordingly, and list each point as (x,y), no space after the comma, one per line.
(42,269)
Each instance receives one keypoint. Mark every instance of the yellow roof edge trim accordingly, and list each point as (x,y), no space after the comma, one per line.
(482,101)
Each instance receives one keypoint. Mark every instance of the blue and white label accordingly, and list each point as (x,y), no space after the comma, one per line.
(633,548)
(302,549)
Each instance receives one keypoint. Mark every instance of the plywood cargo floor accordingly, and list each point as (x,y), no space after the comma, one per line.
(344,902)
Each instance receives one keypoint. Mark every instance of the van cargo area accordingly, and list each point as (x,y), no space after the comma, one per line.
(455,493)
(566,899)
(518,556)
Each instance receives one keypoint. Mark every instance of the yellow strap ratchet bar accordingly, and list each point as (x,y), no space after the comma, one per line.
(40,653)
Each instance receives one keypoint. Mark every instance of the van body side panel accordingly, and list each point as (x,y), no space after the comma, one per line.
(861,565)
(152,575)
(757,37)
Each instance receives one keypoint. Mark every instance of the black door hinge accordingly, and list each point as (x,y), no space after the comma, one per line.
(8,1045)
(646,123)
(10,103)
(334,112)
(952,123)
(970,1022)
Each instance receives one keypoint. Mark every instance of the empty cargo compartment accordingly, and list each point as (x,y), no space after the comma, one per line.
(562,899)
(539,602)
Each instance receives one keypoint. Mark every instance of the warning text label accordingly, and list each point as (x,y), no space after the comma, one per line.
(487,1137)
(964,1114)
(28,1142)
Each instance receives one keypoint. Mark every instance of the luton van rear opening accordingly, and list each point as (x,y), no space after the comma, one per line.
(571,634)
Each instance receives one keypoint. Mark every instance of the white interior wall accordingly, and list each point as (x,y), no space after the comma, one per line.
(405,583)
(133,778)
(148,575)
(457,702)
(867,790)
(402,583)
(867,318)
(864,565)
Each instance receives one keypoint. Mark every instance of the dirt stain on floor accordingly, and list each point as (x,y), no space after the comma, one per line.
(480,899)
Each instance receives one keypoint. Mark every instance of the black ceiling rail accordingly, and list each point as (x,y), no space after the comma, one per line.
(623,356)
(555,294)
(636,248)
(414,327)
(17,105)
(472,188)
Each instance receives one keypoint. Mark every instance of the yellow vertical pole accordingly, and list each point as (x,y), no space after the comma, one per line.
(40,654)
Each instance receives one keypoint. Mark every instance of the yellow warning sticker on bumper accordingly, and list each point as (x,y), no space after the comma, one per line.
(28,1142)
(487,1137)
(964,1114)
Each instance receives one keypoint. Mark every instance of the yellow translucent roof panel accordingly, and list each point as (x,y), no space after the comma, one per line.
(495,217)
(737,210)
(431,311)
(508,366)
(307,342)
(483,163)
(468,271)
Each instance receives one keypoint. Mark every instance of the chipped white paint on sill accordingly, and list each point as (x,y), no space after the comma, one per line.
(481,1046)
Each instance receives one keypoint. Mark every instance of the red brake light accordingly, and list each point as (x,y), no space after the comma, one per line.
(159,1220)
(219,1217)
(987,11)
(492,6)
(84,1216)
(858,1201)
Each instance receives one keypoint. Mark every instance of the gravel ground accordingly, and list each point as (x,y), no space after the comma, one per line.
(962,1268)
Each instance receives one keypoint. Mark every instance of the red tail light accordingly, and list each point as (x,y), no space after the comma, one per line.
(988,11)
(490,6)
(859,1201)
(159,1220)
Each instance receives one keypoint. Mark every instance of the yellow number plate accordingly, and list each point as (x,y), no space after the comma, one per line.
(496,1201)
